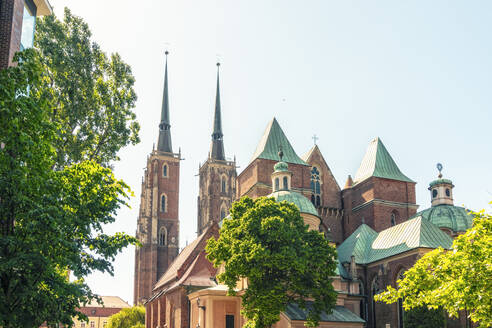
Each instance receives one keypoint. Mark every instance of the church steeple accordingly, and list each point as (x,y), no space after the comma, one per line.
(164,143)
(217,145)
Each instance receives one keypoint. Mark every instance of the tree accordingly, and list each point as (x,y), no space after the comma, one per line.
(133,317)
(455,280)
(422,317)
(50,220)
(92,95)
(269,244)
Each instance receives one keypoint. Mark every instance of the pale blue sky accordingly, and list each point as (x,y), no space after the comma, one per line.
(418,74)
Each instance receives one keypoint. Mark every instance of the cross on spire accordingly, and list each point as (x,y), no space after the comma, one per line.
(315,138)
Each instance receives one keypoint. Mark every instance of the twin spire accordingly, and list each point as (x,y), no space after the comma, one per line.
(164,143)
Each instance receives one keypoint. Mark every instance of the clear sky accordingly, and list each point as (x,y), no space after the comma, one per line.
(418,74)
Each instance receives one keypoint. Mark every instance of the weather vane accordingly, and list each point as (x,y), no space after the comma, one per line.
(439,167)
(315,138)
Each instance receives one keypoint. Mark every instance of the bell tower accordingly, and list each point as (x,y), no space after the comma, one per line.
(441,190)
(217,176)
(158,220)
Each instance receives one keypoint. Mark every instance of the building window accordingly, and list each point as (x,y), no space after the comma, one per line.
(277,184)
(163,203)
(434,193)
(164,170)
(362,304)
(163,236)
(222,214)
(223,184)
(93,324)
(393,219)
(28,25)
(401,311)
(286,183)
(229,321)
(448,192)
(374,291)
(315,186)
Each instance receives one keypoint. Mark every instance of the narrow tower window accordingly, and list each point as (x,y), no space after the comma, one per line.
(315,187)
(163,236)
(223,184)
(163,203)
(277,184)
(286,183)
(434,193)
(164,170)
(222,214)
(393,219)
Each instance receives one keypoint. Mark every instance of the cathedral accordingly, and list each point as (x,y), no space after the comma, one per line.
(373,221)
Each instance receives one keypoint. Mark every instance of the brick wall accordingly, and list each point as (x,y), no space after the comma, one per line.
(11,13)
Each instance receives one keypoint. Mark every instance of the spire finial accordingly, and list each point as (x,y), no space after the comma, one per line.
(315,138)
(164,143)
(217,146)
(439,167)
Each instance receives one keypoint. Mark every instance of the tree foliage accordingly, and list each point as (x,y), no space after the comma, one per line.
(422,317)
(50,220)
(455,280)
(269,244)
(133,317)
(92,95)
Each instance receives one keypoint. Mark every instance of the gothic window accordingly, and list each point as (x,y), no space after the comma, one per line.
(222,214)
(315,187)
(277,184)
(286,183)
(163,203)
(223,184)
(362,304)
(393,219)
(374,291)
(163,236)
(164,170)
(401,312)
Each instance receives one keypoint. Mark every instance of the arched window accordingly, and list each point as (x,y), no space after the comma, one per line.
(223,184)
(362,304)
(374,291)
(277,184)
(163,236)
(222,214)
(401,311)
(164,170)
(393,219)
(286,183)
(315,186)
(448,192)
(163,203)
(434,193)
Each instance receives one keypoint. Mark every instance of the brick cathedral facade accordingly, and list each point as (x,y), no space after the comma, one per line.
(373,220)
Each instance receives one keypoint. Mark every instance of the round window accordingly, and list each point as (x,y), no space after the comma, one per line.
(434,193)
(448,192)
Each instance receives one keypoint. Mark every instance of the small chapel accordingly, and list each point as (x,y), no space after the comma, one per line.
(373,221)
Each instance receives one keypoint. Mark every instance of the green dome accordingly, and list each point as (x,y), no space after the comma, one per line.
(448,216)
(440,181)
(281,167)
(304,205)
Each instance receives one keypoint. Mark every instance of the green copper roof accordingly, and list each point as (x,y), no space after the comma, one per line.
(368,246)
(281,167)
(271,141)
(440,181)
(377,162)
(448,216)
(304,204)
(338,314)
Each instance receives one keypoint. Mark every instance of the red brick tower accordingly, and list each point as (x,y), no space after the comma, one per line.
(158,223)
(380,194)
(217,176)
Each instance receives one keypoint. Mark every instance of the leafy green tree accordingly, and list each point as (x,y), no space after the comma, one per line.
(50,220)
(133,317)
(269,244)
(455,280)
(92,95)
(422,317)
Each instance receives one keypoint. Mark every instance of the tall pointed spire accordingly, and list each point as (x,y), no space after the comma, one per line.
(164,143)
(217,146)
